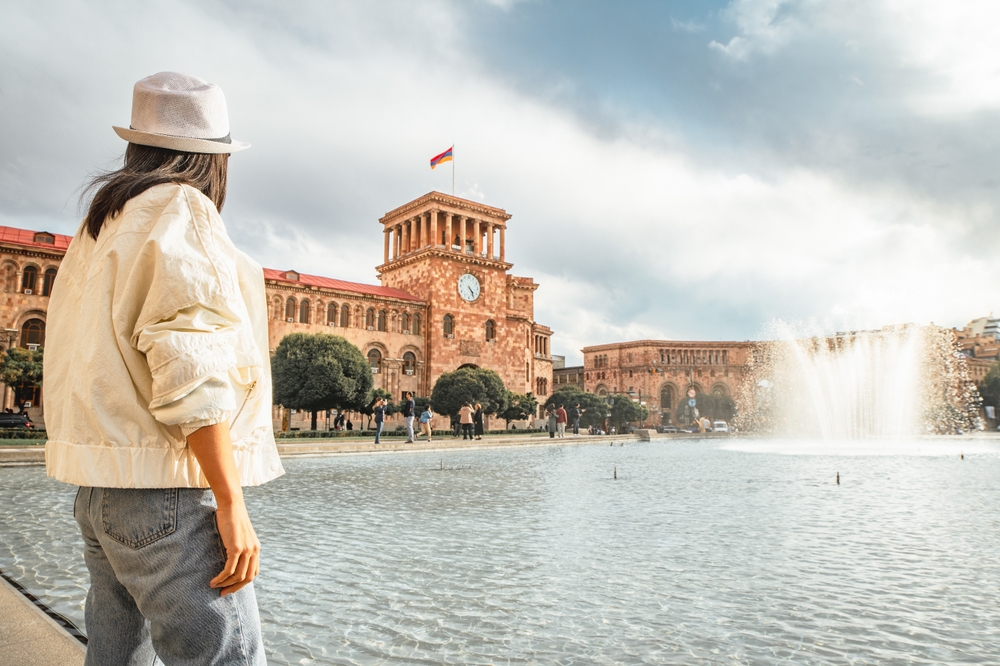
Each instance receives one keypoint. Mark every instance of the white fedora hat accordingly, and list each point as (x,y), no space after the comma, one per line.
(180,112)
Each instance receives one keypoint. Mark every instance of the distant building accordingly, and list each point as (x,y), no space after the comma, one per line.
(659,372)
(566,376)
(980,342)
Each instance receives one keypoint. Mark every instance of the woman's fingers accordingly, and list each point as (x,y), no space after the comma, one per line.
(251,571)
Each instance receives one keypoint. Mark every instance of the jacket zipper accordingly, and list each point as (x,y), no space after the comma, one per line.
(250,389)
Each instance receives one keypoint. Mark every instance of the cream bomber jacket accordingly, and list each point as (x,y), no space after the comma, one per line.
(157,328)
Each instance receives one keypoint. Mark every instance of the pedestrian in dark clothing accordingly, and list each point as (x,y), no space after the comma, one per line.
(409,411)
(575,414)
(379,418)
(456,425)
(477,421)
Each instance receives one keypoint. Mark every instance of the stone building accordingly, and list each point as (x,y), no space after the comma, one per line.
(659,372)
(441,305)
(29,261)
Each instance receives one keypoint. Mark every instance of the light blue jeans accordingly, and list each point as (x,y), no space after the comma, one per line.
(378,430)
(151,553)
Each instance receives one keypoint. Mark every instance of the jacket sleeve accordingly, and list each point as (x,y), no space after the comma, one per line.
(188,323)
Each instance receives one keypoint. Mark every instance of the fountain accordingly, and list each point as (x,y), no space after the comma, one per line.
(895,382)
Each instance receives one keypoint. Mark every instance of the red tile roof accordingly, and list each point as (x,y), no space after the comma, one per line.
(25,237)
(340,285)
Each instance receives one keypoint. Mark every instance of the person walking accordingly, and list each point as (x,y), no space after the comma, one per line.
(561,421)
(409,410)
(576,413)
(157,364)
(425,421)
(456,425)
(477,421)
(379,410)
(465,418)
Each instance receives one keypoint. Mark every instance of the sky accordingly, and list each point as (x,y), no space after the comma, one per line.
(675,170)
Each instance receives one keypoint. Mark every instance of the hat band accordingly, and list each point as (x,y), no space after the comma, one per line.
(224,139)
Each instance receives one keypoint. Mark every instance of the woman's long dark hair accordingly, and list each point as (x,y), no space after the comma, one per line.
(145,167)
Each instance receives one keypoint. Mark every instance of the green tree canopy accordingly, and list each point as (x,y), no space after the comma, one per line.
(520,406)
(22,371)
(595,409)
(320,371)
(471,385)
(990,388)
(624,411)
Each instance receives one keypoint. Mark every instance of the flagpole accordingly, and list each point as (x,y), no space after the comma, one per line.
(453,170)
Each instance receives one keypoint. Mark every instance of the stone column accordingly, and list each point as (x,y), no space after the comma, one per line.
(477,243)
(434,228)
(396,240)
(386,252)
(501,243)
(449,234)
(489,241)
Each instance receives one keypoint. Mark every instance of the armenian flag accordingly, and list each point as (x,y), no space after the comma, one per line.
(443,157)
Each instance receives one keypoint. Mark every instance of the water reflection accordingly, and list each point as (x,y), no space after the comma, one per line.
(696,554)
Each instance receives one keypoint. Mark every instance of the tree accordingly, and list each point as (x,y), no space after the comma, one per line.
(520,406)
(472,385)
(320,371)
(624,410)
(990,388)
(595,409)
(22,371)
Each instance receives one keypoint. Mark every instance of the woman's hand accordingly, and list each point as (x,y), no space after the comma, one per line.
(242,549)
(214,450)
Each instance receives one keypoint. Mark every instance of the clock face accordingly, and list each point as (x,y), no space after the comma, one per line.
(468,287)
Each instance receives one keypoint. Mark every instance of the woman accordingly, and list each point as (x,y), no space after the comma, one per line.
(425,421)
(477,420)
(553,420)
(465,418)
(159,391)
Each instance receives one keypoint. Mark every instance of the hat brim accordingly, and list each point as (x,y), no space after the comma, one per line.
(181,143)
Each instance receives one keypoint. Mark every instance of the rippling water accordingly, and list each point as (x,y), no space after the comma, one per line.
(698,553)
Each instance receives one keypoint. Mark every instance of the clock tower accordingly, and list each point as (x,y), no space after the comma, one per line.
(449,252)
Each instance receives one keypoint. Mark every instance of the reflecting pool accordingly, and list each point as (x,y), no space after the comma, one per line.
(721,551)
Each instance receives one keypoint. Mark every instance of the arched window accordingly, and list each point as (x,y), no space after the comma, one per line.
(415,325)
(404,323)
(50,279)
(290,309)
(304,311)
(276,308)
(29,278)
(381,320)
(375,360)
(449,325)
(409,363)
(491,331)
(331,314)
(33,333)
(370,319)
(345,315)
(666,399)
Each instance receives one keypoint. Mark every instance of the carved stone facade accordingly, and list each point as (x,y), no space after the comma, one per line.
(412,328)
(659,372)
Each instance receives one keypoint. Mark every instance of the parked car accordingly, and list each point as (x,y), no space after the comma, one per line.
(667,428)
(15,421)
(720,426)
